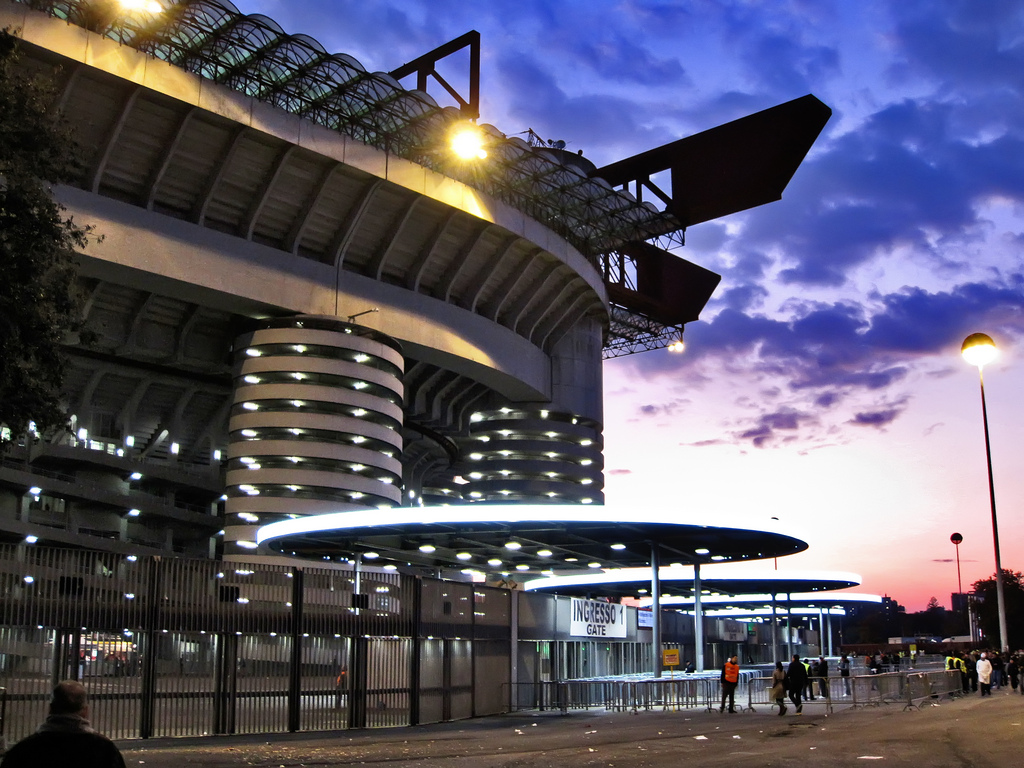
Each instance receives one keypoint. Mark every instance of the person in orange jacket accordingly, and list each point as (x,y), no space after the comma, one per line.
(730,679)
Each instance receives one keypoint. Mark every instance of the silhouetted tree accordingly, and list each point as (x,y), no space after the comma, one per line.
(38,303)
(988,611)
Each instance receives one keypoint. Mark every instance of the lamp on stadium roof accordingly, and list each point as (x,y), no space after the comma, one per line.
(101,15)
(467,141)
(150,6)
(979,349)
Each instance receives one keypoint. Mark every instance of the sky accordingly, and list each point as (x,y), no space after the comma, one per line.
(823,384)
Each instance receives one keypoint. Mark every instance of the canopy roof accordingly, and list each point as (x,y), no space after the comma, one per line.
(542,537)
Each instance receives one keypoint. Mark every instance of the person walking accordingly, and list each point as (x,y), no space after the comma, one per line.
(797,676)
(730,678)
(65,737)
(779,687)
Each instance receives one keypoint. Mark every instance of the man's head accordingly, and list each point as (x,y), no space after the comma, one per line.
(69,698)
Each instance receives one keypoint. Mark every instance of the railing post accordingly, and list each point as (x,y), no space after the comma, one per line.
(295,667)
(147,688)
(225,683)
(416,663)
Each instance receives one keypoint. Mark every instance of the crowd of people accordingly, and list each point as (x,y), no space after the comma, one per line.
(800,679)
(983,671)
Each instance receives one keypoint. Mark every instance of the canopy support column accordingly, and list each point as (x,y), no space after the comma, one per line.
(698,620)
(656,610)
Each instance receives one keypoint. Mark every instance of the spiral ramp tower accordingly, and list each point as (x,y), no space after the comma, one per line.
(315,425)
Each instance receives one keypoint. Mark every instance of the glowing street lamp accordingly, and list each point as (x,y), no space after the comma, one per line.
(979,349)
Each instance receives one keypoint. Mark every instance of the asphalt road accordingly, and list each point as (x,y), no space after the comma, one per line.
(971,732)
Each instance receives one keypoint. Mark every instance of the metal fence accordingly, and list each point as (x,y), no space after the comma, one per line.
(175,647)
(909,688)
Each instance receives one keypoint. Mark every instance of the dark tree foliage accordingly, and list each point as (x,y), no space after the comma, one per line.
(39,306)
(988,611)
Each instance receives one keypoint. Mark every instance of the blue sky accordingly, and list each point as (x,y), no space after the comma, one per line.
(823,384)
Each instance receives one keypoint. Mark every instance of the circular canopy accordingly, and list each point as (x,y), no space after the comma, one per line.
(524,538)
(676,581)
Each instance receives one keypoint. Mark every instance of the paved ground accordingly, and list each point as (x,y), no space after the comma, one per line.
(970,732)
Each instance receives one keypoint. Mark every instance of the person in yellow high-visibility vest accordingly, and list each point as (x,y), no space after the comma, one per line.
(730,679)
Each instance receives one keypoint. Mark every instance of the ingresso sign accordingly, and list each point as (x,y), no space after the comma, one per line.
(592,618)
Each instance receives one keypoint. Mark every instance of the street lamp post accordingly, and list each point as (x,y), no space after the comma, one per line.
(956,538)
(979,349)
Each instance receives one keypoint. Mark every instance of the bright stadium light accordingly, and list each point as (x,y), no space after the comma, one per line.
(467,142)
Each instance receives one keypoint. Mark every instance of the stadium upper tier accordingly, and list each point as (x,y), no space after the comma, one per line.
(251,54)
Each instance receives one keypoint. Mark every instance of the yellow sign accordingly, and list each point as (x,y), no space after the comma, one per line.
(670,657)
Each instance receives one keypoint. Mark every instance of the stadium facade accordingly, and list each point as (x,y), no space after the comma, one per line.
(303,303)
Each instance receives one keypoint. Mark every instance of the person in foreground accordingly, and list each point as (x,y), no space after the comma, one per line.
(65,737)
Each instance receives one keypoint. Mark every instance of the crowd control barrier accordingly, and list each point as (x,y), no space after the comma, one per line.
(913,689)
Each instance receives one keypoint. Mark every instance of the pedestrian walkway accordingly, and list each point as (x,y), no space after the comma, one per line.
(949,734)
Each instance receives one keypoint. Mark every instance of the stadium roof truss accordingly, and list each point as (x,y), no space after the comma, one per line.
(723,170)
